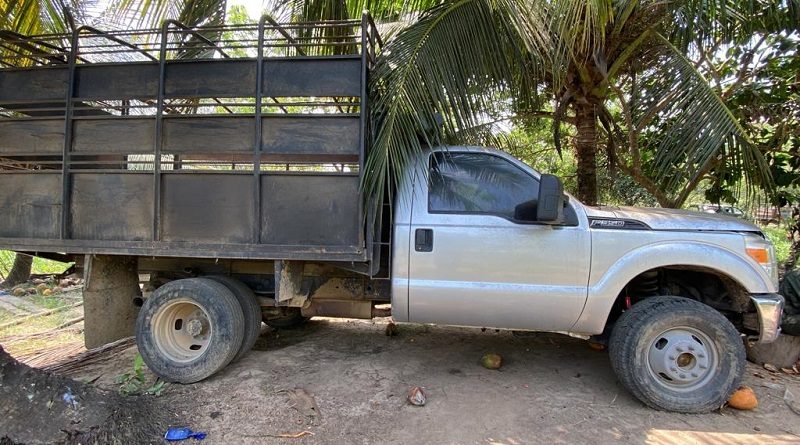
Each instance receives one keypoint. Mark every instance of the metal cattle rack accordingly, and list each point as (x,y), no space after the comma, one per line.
(238,141)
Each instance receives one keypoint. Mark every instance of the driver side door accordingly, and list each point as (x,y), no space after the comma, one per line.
(472,264)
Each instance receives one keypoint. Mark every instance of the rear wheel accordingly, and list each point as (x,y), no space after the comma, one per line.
(189,329)
(251,309)
(677,354)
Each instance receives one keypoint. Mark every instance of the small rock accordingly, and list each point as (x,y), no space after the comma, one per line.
(770,367)
(41,287)
(65,283)
(791,401)
(788,370)
(744,399)
(215,414)
(47,292)
(18,292)
(492,361)
(391,330)
(31,290)
(755,428)
(416,396)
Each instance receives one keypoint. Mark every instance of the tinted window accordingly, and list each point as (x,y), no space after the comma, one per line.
(478,183)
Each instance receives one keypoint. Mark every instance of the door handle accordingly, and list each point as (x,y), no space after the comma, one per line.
(423,240)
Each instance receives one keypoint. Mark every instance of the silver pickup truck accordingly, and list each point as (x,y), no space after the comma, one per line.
(670,290)
(207,189)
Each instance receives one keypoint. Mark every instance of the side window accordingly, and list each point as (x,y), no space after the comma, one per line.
(477,183)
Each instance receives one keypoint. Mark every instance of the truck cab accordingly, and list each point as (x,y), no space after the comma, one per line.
(469,244)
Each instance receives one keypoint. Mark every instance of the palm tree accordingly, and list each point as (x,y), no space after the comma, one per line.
(568,60)
(32,17)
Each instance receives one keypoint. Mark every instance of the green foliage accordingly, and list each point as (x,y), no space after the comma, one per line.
(461,55)
(40,265)
(135,382)
(777,234)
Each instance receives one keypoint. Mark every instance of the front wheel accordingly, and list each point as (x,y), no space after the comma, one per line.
(677,354)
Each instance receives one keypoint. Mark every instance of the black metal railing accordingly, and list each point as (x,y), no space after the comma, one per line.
(261,99)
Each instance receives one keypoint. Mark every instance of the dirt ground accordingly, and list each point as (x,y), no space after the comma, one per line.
(551,389)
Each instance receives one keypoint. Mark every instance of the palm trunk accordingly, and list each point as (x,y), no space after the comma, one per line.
(586,152)
(794,235)
(20,272)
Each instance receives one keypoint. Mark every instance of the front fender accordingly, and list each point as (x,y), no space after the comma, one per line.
(604,291)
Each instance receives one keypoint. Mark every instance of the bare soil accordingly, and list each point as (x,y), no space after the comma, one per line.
(39,407)
(345,382)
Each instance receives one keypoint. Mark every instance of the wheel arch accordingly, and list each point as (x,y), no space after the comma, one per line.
(732,269)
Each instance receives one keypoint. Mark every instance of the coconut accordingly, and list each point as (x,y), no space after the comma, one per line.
(18,292)
(47,292)
(492,361)
(744,398)
(41,287)
(416,396)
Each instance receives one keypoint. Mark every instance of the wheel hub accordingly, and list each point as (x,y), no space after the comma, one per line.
(682,358)
(182,330)
(194,327)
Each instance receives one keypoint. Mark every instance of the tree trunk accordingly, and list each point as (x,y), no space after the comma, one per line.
(20,271)
(586,152)
(794,235)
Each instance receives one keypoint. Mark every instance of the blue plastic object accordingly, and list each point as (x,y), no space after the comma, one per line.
(174,434)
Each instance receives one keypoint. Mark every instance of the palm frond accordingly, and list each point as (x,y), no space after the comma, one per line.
(150,13)
(383,10)
(32,17)
(700,130)
(733,20)
(442,65)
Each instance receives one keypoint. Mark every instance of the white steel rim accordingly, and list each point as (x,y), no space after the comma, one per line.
(682,359)
(182,330)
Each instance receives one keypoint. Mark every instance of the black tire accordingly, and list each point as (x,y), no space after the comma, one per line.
(290,317)
(175,311)
(698,351)
(251,309)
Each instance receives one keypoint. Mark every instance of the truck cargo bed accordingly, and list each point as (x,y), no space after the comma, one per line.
(243,141)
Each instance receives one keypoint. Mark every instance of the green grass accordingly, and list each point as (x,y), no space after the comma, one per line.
(40,265)
(777,234)
(48,302)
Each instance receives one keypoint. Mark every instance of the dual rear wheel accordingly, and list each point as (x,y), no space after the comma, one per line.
(189,329)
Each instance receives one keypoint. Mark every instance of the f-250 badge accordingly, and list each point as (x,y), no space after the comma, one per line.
(608,223)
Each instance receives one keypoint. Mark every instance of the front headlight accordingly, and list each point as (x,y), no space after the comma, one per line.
(762,252)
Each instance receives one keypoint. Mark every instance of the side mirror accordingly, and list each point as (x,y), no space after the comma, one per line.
(550,206)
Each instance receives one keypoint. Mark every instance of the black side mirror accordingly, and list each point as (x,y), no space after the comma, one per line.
(550,206)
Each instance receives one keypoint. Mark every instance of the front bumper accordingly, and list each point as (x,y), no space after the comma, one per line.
(770,309)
